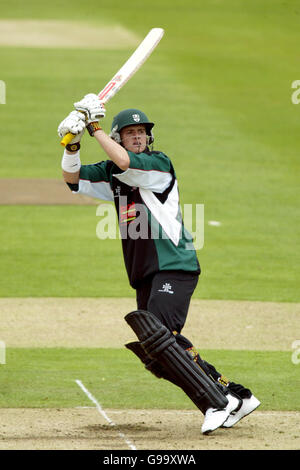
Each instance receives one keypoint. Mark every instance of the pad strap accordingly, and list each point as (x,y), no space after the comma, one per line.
(150,364)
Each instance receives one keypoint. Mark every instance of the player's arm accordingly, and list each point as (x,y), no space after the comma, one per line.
(91,180)
(71,164)
(93,109)
(68,177)
(113,150)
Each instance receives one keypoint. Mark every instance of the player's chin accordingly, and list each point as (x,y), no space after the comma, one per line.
(138,148)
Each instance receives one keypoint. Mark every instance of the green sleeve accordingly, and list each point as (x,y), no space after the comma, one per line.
(96,172)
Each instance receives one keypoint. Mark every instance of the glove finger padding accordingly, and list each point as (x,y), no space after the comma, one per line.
(74,123)
(92,107)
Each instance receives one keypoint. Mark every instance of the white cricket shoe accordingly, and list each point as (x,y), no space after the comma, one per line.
(249,405)
(215,417)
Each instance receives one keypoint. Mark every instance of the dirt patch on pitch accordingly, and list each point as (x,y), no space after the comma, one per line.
(99,322)
(85,428)
(40,192)
(65,34)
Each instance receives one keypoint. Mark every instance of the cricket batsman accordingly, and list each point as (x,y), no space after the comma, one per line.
(161,263)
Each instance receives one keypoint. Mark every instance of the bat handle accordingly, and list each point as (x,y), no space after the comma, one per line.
(67,139)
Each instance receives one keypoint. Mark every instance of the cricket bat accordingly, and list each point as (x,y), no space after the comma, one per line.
(134,62)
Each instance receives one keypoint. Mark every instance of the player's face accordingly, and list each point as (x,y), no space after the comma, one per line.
(134,138)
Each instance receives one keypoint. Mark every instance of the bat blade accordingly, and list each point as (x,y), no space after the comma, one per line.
(135,61)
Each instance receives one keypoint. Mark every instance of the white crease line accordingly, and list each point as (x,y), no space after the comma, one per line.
(102,412)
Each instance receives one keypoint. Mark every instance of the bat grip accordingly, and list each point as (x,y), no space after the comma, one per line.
(67,139)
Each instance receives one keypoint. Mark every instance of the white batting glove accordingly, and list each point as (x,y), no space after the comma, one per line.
(92,107)
(73,123)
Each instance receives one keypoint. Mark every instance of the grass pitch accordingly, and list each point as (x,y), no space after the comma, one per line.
(219,90)
(45,378)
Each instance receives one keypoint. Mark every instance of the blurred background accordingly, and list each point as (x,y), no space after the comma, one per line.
(219,89)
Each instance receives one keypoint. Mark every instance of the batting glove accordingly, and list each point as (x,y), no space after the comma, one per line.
(73,123)
(92,107)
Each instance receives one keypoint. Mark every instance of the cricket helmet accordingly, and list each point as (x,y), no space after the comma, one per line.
(130,117)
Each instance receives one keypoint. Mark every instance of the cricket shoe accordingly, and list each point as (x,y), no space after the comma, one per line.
(216,417)
(248,405)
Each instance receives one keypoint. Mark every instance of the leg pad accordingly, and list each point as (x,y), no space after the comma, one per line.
(172,362)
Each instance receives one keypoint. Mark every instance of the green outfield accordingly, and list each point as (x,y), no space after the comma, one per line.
(46,378)
(218,88)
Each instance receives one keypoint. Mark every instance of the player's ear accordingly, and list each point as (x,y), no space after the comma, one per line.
(115,135)
(150,138)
